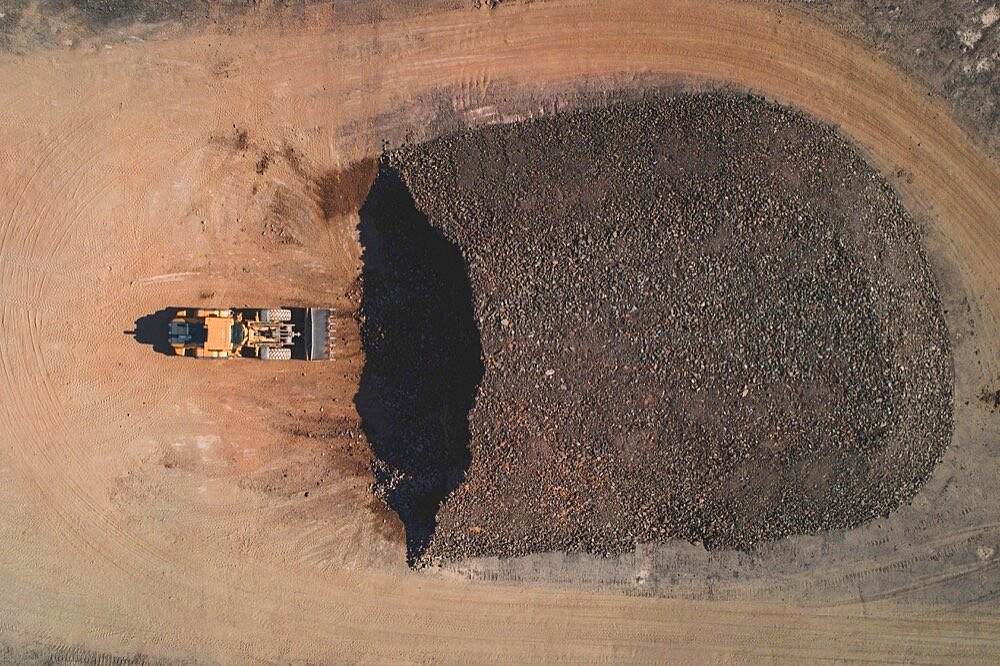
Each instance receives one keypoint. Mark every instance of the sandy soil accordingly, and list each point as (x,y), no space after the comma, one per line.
(169,508)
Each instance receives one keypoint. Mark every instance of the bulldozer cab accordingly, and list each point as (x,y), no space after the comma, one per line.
(221,334)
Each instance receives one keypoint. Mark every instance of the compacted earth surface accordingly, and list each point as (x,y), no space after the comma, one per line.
(156,509)
(699,316)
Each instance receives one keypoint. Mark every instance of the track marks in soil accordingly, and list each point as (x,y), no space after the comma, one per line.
(216,599)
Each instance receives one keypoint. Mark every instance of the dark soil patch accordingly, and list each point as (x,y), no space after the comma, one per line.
(321,196)
(334,192)
(10,21)
(104,13)
(261,166)
(241,138)
(702,317)
(946,45)
(341,192)
(991,399)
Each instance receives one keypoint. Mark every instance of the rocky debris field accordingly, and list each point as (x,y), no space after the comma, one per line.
(702,316)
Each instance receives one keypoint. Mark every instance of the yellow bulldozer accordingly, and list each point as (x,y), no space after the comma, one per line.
(270,334)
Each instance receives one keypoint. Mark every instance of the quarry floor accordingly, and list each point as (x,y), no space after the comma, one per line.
(157,508)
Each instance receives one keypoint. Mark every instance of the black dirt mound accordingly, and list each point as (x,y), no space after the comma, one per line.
(701,317)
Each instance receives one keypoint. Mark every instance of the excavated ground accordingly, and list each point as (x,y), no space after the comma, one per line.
(703,316)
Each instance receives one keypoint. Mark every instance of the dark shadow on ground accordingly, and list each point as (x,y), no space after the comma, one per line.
(153,330)
(423,359)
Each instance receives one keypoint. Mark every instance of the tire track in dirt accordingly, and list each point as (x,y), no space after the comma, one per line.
(61,235)
(840,583)
(54,436)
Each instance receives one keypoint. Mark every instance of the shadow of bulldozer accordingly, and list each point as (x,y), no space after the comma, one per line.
(153,330)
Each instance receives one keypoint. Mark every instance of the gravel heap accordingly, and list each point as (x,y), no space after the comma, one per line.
(702,316)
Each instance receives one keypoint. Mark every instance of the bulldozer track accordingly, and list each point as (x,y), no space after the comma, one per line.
(104,196)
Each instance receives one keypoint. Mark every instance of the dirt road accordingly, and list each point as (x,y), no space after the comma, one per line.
(152,506)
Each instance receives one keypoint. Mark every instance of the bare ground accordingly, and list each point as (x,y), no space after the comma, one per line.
(157,507)
(952,48)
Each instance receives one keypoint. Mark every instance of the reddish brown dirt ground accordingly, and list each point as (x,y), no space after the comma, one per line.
(156,506)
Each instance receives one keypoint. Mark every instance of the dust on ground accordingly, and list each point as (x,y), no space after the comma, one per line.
(125,191)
